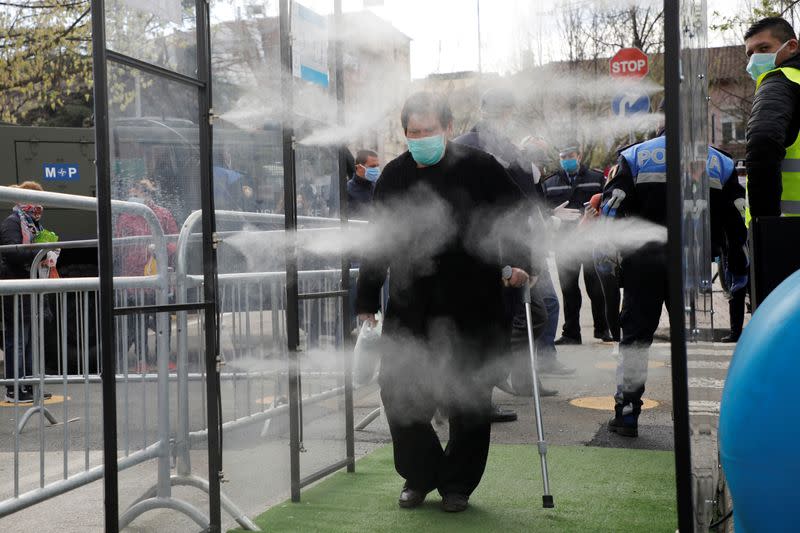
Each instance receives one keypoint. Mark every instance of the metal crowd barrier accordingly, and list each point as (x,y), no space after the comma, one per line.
(78,366)
(253,337)
(252,332)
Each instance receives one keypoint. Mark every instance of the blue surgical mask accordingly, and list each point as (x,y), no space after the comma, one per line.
(761,63)
(372,173)
(570,166)
(427,150)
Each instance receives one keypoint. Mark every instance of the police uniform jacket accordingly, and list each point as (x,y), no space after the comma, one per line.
(641,173)
(577,190)
(728,232)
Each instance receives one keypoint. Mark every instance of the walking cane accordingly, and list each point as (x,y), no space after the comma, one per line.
(547,498)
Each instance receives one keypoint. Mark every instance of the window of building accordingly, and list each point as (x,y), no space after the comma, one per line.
(733,129)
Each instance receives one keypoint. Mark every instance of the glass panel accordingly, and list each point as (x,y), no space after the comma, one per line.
(155,175)
(161,32)
(707,310)
(249,202)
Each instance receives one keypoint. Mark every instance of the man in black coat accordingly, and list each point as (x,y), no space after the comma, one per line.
(572,187)
(361,185)
(774,122)
(452,242)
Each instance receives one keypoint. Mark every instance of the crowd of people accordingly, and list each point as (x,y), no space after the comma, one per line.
(456,331)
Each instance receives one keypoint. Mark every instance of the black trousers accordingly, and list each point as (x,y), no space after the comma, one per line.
(418,454)
(568,273)
(609,283)
(736,309)
(645,293)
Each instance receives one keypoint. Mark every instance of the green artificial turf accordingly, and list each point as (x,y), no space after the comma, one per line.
(595,489)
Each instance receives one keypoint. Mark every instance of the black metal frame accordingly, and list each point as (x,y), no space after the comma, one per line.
(208,222)
(675,210)
(106,268)
(344,214)
(108,311)
(293,296)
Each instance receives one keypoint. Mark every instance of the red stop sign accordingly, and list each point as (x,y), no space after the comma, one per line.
(629,63)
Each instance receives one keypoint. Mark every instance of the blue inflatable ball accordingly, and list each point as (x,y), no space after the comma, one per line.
(759,426)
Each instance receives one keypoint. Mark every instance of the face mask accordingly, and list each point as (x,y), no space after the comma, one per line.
(427,150)
(136,200)
(761,63)
(570,166)
(372,173)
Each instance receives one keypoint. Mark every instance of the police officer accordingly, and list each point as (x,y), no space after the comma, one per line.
(571,188)
(637,187)
(729,234)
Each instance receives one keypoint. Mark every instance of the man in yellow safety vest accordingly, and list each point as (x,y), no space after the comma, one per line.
(773,131)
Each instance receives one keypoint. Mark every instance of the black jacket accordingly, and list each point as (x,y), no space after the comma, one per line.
(728,232)
(773,126)
(507,154)
(359,197)
(558,189)
(484,138)
(449,280)
(16,264)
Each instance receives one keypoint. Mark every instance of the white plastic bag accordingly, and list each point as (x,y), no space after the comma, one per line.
(366,354)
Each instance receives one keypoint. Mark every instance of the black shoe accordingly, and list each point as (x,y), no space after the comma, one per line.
(730,338)
(554,367)
(565,340)
(410,498)
(455,503)
(502,415)
(25,396)
(618,426)
(45,395)
(545,393)
(604,336)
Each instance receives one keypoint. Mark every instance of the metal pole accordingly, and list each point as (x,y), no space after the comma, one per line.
(480,63)
(343,216)
(106,266)
(680,386)
(213,393)
(547,498)
(290,224)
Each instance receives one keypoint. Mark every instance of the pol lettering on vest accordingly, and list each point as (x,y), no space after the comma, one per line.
(657,155)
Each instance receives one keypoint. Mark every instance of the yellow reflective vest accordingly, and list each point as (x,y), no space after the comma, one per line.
(790,167)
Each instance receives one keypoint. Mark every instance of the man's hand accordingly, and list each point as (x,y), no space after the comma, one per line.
(518,278)
(368,317)
(565,214)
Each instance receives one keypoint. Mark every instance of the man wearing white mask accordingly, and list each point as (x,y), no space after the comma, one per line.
(361,185)
(773,143)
